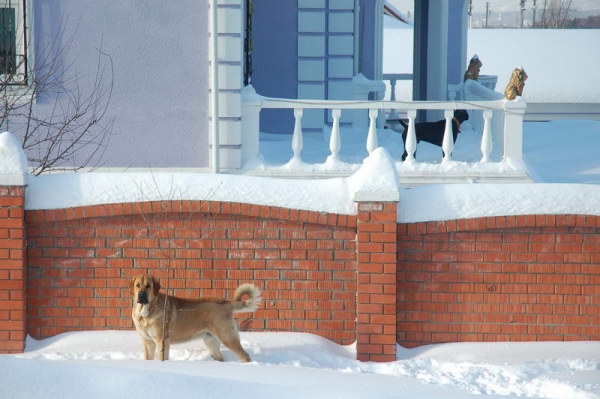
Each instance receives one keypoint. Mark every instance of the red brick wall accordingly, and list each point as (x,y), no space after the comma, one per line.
(81,260)
(376,276)
(12,269)
(513,278)
(360,278)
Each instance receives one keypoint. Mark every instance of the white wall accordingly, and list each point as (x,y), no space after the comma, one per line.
(159,50)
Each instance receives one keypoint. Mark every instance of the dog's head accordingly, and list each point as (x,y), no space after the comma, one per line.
(143,288)
(461,115)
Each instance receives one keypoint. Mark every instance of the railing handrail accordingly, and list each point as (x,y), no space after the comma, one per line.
(284,103)
(397,76)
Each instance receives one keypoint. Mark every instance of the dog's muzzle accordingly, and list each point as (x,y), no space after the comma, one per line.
(142,297)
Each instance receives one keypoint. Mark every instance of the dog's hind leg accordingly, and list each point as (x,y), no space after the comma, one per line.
(230,337)
(213,344)
(235,346)
(227,333)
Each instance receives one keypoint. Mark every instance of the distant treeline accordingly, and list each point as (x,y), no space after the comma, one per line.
(591,22)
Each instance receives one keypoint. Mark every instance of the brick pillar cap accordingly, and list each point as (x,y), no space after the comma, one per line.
(13,162)
(378,196)
(377,179)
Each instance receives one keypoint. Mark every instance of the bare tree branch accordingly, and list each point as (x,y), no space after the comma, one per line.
(71,131)
(556,14)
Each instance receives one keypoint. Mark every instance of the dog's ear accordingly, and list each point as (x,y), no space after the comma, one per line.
(156,285)
(131,285)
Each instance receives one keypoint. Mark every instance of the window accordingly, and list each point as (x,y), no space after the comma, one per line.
(13,43)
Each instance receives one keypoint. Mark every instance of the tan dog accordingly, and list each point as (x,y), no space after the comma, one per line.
(208,318)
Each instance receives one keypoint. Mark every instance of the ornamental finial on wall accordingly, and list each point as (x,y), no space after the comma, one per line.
(516,84)
(473,69)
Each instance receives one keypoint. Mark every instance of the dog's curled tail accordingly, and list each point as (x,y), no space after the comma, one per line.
(246,305)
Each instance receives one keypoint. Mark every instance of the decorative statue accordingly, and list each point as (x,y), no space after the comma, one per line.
(473,69)
(516,84)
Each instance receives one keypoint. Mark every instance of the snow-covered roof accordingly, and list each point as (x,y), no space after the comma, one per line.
(389,9)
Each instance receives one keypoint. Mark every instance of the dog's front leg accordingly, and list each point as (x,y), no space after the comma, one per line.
(149,349)
(163,350)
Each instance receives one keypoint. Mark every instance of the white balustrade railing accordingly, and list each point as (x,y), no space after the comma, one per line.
(511,111)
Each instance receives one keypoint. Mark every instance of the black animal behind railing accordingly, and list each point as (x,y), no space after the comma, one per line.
(433,132)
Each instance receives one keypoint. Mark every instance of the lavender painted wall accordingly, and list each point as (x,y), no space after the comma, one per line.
(160,55)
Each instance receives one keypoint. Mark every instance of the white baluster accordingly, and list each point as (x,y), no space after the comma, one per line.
(372,135)
(335,141)
(448,141)
(486,139)
(411,136)
(393,113)
(297,140)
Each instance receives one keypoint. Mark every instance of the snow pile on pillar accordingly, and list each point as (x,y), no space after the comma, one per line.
(377,179)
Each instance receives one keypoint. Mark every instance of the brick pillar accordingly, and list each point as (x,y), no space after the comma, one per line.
(13,301)
(376,280)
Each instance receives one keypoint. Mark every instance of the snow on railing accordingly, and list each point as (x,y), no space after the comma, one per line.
(512,112)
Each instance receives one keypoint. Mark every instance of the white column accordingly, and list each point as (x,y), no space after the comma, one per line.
(513,128)
(226,57)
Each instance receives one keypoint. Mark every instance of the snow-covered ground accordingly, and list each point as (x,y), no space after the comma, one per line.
(293,365)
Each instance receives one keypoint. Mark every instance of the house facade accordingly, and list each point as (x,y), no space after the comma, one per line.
(151,62)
